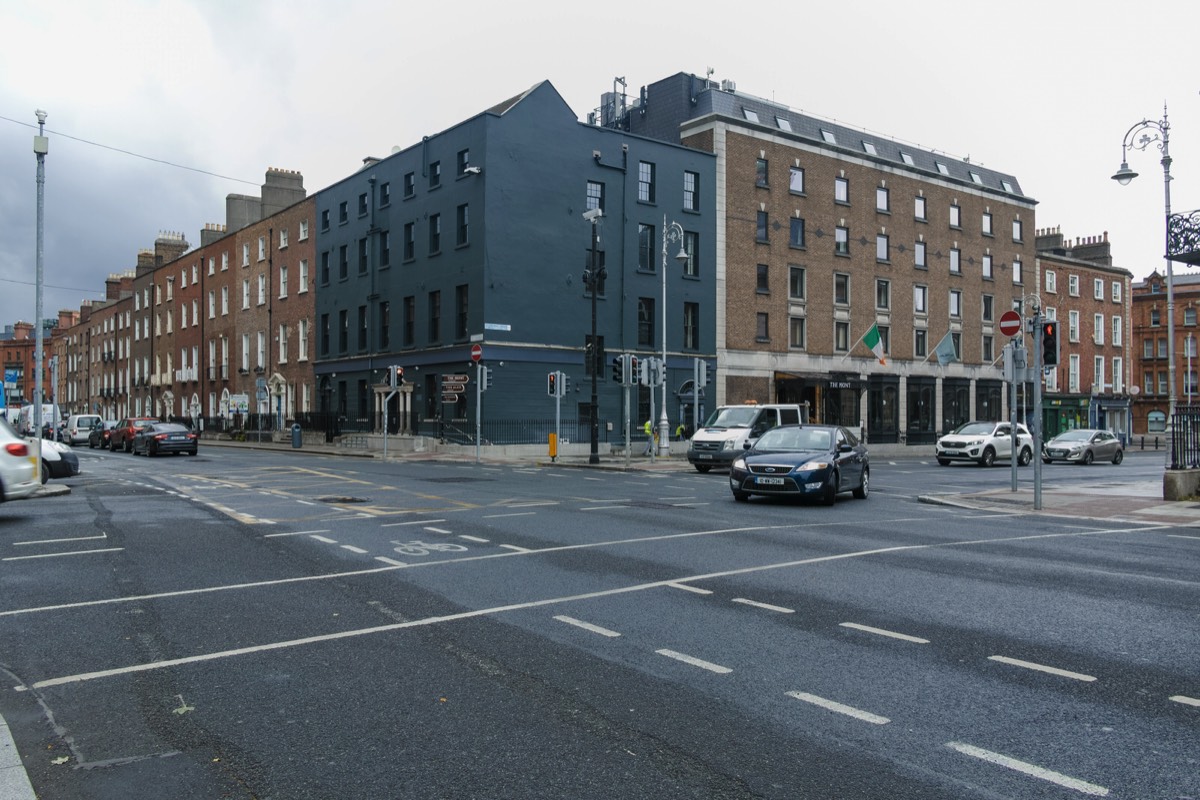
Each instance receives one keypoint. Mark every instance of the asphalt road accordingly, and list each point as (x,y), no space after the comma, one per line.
(266,625)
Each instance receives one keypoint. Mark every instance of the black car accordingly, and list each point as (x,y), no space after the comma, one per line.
(802,461)
(164,437)
(100,434)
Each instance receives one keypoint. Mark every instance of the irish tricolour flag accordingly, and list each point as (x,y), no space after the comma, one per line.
(871,340)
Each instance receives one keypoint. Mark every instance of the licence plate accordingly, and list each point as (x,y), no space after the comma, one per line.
(771,481)
(704,456)
(178,438)
(949,452)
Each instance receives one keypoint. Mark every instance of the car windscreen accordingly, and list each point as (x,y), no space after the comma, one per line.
(1074,436)
(795,439)
(975,429)
(737,417)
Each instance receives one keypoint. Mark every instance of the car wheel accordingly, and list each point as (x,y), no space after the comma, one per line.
(128,446)
(45,471)
(988,458)
(112,445)
(192,452)
(91,445)
(945,462)
(1087,458)
(861,492)
(829,494)
(1025,457)
(703,468)
(740,496)
(1118,456)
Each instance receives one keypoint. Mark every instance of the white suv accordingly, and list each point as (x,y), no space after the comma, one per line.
(17,463)
(984,443)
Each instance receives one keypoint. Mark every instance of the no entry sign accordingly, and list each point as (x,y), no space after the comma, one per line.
(1010,323)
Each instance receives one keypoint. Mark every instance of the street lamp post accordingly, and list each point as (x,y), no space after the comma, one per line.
(41,146)
(671,233)
(591,278)
(1153,132)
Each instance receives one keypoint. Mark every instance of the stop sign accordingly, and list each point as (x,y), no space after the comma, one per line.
(1010,323)
(476,352)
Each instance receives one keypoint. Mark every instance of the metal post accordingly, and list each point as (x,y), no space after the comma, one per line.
(664,442)
(478,397)
(594,412)
(1160,132)
(1038,434)
(41,146)
(1012,417)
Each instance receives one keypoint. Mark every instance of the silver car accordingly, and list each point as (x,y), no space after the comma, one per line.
(1083,446)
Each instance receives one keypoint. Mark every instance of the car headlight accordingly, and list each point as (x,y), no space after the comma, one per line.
(739,463)
(811,465)
(728,444)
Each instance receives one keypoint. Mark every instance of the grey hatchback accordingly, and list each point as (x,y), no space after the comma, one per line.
(1083,446)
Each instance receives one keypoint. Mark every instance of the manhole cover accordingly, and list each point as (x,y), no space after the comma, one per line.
(341,499)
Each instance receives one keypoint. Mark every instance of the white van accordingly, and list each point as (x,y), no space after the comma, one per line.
(79,427)
(722,437)
(50,414)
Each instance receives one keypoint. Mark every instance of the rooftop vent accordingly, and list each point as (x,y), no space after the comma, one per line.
(728,86)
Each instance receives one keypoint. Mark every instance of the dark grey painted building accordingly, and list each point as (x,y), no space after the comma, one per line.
(476,235)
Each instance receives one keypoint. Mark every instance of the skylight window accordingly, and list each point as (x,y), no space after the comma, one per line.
(869,148)
(942,168)
(975,177)
(750,114)
(783,124)
(907,159)
(828,136)
(1007,187)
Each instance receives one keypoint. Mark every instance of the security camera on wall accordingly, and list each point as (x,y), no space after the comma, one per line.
(593,214)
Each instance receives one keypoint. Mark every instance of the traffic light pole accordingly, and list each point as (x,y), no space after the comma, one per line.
(1038,434)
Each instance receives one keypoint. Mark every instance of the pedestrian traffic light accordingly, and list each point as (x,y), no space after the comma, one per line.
(618,371)
(632,370)
(1050,344)
(552,384)
(485,378)
(396,376)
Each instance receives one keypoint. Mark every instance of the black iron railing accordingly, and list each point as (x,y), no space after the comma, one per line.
(1185,438)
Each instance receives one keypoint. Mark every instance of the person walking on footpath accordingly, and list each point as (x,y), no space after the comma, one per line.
(649,428)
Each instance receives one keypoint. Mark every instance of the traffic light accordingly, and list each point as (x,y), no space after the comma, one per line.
(485,378)
(643,372)
(396,377)
(618,372)
(1049,344)
(633,369)
(701,373)
(552,384)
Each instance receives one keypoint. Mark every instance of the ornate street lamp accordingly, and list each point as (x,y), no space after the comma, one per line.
(671,233)
(1158,133)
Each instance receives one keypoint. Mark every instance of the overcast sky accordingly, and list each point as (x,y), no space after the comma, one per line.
(225,89)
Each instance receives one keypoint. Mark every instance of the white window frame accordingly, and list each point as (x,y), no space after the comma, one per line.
(262,248)
(1118,330)
(283,288)
(303,285)
(303,230)
(224,301)
(1116,291)
(1118,375)
(1073,327)
(1073,373)
(1073,285)
(1098,329)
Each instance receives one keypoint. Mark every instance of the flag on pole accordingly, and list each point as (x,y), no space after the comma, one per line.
(871,339)
(945,350)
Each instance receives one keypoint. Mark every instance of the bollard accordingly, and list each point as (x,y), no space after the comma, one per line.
(296,437)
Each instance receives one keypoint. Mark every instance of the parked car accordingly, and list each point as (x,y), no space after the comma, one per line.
(79,427)
(165,437)
(99,435)
(1083,446)
(985,443)
(122,435)
(58,461)
(802,461)
(17,463)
